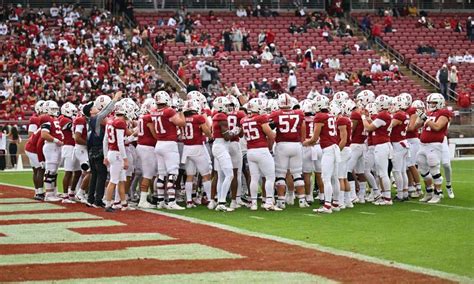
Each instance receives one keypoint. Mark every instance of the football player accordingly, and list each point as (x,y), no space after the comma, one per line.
(381,139)
(260,139)
(436,122)
(53,136)
(34,134)
(290,129)
(80,153)
(325,130)
(166,150)
(413,133)
(344,131)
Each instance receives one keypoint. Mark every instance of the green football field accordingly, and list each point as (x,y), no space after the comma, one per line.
(432,236)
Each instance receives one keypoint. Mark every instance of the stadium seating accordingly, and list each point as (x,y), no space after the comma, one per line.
(231,71)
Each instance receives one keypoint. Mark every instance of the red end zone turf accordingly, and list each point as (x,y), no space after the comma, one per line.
(217,250)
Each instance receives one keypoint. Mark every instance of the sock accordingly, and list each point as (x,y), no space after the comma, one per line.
(281,201)
(40,190)
(447,173)
(117,195)
(341,196)
(309,197)
(143,196)
(418,186)
(321,196)
(405,194)
(429,190)
(108,203)
(438,191)
(206,187)
(400,193)
(353,188)
(411,188)
(189,191)
(347,197)
(362,189)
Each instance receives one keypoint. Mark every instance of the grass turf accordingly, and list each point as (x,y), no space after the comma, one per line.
(436,237)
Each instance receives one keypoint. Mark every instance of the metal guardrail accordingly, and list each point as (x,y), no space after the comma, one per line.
(48,3)
(439,5)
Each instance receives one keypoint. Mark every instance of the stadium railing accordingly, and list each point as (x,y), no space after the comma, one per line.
(226,4)
(49,3)
(440,5)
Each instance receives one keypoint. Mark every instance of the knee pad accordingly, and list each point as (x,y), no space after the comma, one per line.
(280,181)
(350,176)
(426,176)
(298,180)
(438,179)
(171,181)
(50,176)
(85,167)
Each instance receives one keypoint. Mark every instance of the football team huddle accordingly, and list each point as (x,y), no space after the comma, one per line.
(167,149)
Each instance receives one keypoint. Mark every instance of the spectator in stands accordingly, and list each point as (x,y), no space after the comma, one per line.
(340,76)
(227,36)
(266,55)
(322,76)
(208,50)
(376,67)
(319,64)
(214,88)
(345,49)
(366,23)
(309,57)
(354,79)
(246,40)
(269,37)
(468,57)
(388,23)
(442,76)
(241,12)
(334,63)
(412,10)
(205,75)
(469,28)
(261,38)
(394,66)
(425,49)
(264,86)
(279,58)
(237,38)
(3,147)
(292,81)
(254,86)
(276,86)
(254,58)
(13,141)
(453,80)
(284,68)
(172,22)
(376,31)
(327,90)
(365,78)
(363,45)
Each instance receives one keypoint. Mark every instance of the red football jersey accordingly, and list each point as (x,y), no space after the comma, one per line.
(428,135)
(192,131)
(66,127)
(370,134)
(234,119)
(381,134)
(359,135)
(31,145)
(288,125)
(145,137)
(80,126)
(51,125)
(399,132)
(165,129)
(33,123)
(111,132)
(253,131)
(216,129)
(328,135)
(342,120)
(309,126)
(416,133)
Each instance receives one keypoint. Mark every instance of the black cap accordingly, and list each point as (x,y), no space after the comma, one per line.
(86,110)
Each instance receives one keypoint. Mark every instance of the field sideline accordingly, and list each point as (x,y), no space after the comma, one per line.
(431,236)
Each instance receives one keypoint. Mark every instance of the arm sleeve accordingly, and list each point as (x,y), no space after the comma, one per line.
(378,123)
(79,128)
(102,114)
(120,142)
(105,146)
(32,127)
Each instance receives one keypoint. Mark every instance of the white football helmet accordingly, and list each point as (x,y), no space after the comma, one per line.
(256,105)
(221,104)
(162,98)
(119,108)
(383,102)
(235,104)
(435,101)
(294,102)
(321,102)
(340,97)
(191,105)
(284,101)
(365,97)
(196,95)
(371,108)
(39,107)
(408,98)
(51,108)
(177,103)
(101,102)
(418,104)
(68,109)
(307,106)
(148,105)
(401,102)
(347,107)
(334,109)
(272,105)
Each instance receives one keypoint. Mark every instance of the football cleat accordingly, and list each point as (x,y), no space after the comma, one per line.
(67,200)
(146,205)
(81,198)
(174,206)
(190,205)
(427,197)
(212,205)
(435,199)
(415,194)
(290,197)
(350,204)
(109,209)
(383,202)
(128,208)
(323,209)
(335,207)
(254,207)
(450,192)
(161,205)
(271,207)
(204,201)
(117,206)
(234,204)
(241,203)
(223,208)
(39,197)
(304,204)
(52,198)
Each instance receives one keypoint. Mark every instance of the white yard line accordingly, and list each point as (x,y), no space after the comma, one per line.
(421,211)
(389,263)
(443,205)
(256,217)
(367,213)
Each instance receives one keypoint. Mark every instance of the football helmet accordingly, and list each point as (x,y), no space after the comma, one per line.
(435,101)
(418,104)
(334,109)
(101,102)
(51,108)
(256,105)
(221,104)
(340,97)
(307,106)
(383,102)
(68,109)
(162,98)
(148,105)
(191,105)
(371,108)
(284,101)
(408,98)
(365,97)
(347,107)
(321,102)
(39,107)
